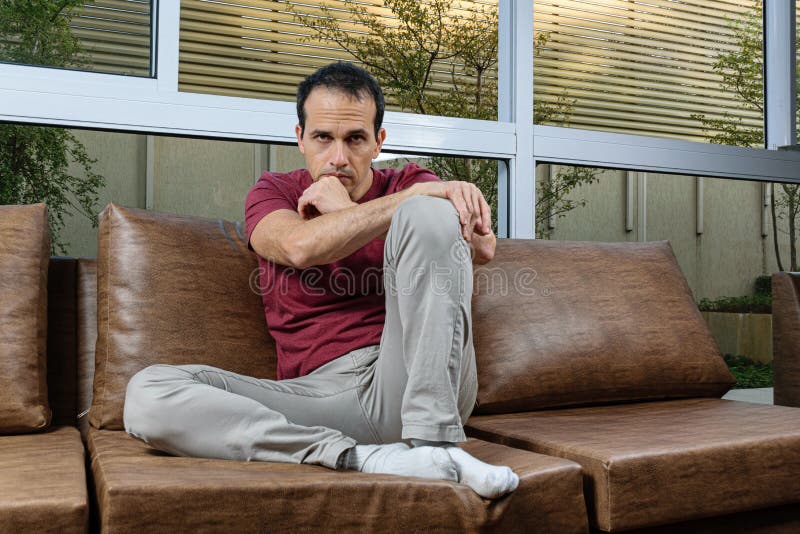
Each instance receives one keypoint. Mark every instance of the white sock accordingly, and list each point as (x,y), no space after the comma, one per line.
(489,481)
(399,459)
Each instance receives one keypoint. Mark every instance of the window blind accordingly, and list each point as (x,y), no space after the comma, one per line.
(116,35)
(639,66)
(259,49)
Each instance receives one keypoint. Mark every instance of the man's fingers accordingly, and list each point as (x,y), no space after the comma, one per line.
(486,216)
(476,206)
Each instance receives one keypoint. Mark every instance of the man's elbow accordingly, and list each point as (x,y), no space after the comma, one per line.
(288,254)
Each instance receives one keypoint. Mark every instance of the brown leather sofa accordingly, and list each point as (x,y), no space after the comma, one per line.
(599,385)
(786,338)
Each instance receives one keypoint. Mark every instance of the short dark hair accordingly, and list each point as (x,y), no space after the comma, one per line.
(351,79)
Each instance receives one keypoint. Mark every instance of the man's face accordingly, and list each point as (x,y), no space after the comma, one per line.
(339,138)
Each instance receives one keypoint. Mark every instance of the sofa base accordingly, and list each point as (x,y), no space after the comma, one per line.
(43,482)
(777,520)
(138,487)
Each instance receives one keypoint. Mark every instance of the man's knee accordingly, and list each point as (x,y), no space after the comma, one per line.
(431,219)
(144,409)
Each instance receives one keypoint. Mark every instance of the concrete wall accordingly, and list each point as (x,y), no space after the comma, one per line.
(211,178)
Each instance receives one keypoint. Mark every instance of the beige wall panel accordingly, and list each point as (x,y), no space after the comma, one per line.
(783,240)
(730,252)
(285,158)
(202,177)
(121,159)
(603,217)
(671,215)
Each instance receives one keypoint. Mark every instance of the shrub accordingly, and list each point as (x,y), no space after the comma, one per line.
(748,373)
(745,304)
(763,285)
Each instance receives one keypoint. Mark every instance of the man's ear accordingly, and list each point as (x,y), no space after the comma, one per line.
(381,138)
(298,131)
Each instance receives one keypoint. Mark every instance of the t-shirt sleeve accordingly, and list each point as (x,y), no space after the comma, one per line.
(264,197)
(414,174)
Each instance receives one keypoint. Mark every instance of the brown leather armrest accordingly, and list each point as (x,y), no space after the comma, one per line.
(786,337)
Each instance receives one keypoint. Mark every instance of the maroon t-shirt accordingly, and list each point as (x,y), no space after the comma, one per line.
(323,312)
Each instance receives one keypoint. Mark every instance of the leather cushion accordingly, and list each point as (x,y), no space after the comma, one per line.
(655,463)
(558,323)
(24,259)
(62,342)
(173,289)
(43,482)
(138,487)
(87,338)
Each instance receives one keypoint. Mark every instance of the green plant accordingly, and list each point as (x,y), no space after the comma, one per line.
(763,285)
(748,373)
(745,304)
(426,67)
(35,161)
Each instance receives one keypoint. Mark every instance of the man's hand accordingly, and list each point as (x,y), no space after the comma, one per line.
(482,247)
(326,195)
(474,212)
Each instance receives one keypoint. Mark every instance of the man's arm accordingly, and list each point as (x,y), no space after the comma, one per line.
(287,238)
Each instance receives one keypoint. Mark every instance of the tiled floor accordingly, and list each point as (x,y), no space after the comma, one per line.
(756,395)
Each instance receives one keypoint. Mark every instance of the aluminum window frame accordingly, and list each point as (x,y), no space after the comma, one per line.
(79,99)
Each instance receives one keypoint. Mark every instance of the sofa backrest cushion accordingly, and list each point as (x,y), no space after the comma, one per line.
(173,289)
(559,323)
(24,260)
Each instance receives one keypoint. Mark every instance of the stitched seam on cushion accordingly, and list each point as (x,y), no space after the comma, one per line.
(108,324)
(375,435)
(258,383)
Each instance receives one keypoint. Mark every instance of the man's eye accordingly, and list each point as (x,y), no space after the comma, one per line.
(356,139)
(323,137)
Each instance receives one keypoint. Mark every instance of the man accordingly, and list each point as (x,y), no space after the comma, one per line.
(366,381)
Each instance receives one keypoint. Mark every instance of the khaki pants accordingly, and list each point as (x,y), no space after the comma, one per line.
(420,382)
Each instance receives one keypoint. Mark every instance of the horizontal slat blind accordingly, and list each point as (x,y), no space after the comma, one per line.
(258,49)
(116,35)
(638,66)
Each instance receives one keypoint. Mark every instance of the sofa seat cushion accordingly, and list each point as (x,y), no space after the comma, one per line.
(648,464)
(139,487)
(43,482)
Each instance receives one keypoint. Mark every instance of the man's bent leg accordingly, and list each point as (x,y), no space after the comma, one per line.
(196,410)
(424,382)
(426,356)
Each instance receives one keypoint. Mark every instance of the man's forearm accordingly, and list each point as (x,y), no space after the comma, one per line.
(333,236)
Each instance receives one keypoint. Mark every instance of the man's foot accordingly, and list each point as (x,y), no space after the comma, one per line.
(489,481)
(399,459)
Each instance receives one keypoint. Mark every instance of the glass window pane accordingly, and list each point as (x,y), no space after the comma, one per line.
(682,69)
(264,49)
(111,36)
(722,235)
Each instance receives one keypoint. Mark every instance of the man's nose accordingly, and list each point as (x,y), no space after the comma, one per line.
(338,156)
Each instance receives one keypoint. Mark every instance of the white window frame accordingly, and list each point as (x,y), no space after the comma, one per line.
(40,95)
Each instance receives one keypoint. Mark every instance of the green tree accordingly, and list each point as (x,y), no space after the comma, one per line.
(35,161)
(426,67)
(742,74)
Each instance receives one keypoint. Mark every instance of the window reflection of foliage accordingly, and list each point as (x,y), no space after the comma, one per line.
(741,71)
(440,61)
(35,161)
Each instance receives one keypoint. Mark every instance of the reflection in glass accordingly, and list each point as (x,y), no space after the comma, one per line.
(111,36)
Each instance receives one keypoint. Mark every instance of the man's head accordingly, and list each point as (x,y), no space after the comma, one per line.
(340,111)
